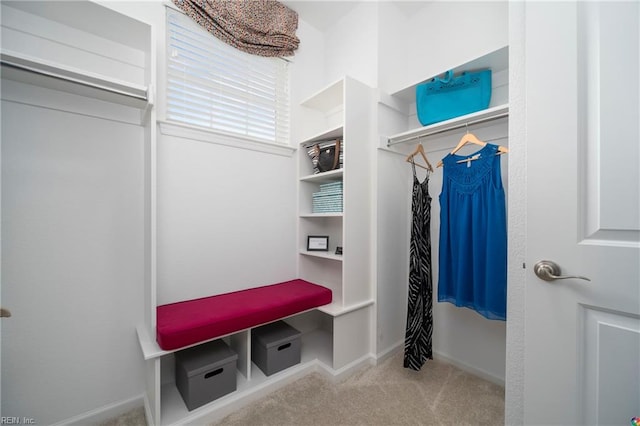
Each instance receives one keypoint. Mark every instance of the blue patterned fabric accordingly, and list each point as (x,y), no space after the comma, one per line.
(473,234)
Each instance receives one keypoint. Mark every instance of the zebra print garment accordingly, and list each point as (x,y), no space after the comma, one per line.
(417,343)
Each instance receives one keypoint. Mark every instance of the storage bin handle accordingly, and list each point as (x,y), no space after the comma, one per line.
(213,373)
(283,347)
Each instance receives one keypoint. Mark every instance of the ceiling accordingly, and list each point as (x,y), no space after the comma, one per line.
(321,14)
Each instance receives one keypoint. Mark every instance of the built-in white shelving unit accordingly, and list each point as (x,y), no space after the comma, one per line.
(484,116)
(340,111)
(168,404)
(81,48)
(404,103)
(94,56)
(496,60)
(331,256)
(399,134)
(327,340)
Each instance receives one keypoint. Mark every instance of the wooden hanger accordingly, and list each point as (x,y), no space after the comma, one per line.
(420,150)
(471,138)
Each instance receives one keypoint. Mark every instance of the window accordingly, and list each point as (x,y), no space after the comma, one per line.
(211,84)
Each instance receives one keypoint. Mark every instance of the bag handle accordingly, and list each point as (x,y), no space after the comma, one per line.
(447,79)
(336,155)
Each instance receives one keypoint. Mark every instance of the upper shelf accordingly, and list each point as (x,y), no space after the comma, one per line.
(59,77)
(404,100)
(334,132)
(79,47)
(85,16)
(497,61)
(327,99)
(478,117)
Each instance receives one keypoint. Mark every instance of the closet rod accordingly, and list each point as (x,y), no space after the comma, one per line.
(67,75)
(462,124)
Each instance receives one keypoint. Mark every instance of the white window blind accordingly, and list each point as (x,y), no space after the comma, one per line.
(213,85)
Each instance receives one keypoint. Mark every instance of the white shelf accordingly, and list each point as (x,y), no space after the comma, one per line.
(485,115)
(315,348)
(91,18)
(322,255)
(319,215)
(324,177)
(337,309)
(327,99)
(333,132)
(30,70)
(82,48)
(497,61)
(341,110)
(317,345)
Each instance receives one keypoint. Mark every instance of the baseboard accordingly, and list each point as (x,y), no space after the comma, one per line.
(470,369)
(390,351)
(343,372)
(147,410)
(104,413)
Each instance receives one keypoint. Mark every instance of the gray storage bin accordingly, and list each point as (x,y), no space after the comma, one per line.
(205,372)
(275,346)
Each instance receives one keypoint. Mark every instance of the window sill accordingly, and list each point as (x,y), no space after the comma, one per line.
(205,135)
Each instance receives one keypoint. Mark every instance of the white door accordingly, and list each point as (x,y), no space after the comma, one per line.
(582,338)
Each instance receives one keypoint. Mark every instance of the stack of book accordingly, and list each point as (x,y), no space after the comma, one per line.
(329,199)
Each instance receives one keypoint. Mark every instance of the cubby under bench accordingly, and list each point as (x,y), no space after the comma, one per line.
(230,317)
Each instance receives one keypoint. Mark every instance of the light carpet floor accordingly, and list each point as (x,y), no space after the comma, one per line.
(387,394)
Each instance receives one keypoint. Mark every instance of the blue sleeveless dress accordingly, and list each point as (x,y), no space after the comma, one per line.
(473,234)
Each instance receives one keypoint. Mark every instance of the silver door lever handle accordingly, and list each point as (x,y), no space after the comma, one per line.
(550,271)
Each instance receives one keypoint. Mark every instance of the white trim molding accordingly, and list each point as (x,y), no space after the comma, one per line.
(204,135)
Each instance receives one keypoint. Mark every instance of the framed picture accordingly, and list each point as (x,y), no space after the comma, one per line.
(317,243)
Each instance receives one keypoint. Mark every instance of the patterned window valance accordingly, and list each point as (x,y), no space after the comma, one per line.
(259,27)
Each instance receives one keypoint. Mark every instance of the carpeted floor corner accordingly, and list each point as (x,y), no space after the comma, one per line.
(134,417)
(388,394)
(384,395)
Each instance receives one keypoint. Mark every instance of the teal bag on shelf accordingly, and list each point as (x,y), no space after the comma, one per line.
(441,99)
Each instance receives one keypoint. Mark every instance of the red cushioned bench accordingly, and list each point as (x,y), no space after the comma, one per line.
(186,323)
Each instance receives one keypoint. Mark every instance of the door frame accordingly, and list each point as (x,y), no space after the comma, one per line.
(516,218)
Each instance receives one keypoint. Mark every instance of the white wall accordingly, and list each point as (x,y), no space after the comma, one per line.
(307,77)
(393,36)
(72,255)
(226,219)
(393,228)
(351,45)
(393,182)
(225,215)
(307,71)
(440,36)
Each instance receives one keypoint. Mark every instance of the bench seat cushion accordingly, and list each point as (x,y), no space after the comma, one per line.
(185,323)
